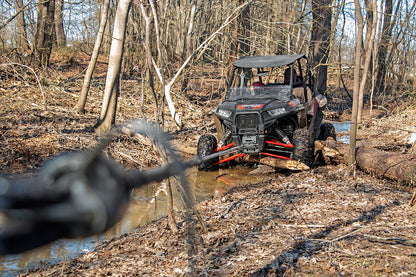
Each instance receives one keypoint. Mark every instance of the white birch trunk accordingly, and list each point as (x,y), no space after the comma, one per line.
(108,110)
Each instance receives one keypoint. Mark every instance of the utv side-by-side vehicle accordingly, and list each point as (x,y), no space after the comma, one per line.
(269,110)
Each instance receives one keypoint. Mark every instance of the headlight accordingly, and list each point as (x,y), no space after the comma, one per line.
(224,113)
(294,103)
(276,112)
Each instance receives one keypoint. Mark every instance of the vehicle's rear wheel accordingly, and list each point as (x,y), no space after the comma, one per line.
(327,130)
(206,146)
(302,151)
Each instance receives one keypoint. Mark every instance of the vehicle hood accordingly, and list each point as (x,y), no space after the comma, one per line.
(252,105)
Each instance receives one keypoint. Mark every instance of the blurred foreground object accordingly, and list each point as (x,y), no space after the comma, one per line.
(78,194)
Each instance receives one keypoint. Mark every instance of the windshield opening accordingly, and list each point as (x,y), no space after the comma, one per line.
(245,77)
(254,83)
(279,92)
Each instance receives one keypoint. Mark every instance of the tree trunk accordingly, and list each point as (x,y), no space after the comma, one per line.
(356,91)
(22,41)
(383,164)
(188,39)
(369,43)
(240,45)
(234,45)
(45,33)
(385,41)
(244,32)
(320,41)
(59,24)
(112,84)
(91,66)
(148,64)
(188,43)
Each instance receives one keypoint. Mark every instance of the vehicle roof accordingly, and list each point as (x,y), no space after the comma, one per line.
(267,61)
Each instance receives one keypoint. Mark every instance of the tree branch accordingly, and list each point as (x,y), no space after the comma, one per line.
(15,15)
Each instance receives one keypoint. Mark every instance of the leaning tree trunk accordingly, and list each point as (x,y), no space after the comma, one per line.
(91,66)
(112,84)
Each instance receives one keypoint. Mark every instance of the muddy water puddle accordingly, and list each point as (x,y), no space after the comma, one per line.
(342,130)
(144,208)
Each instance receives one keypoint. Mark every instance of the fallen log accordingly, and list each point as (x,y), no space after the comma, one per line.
(382,164)
(390,165)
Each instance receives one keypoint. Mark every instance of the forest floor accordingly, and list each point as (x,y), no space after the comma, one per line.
(318,222)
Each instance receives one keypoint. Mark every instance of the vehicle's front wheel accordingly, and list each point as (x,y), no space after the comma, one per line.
(327,130)
(206,146)
(302,151)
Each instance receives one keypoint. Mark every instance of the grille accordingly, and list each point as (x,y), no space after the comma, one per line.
(247,121)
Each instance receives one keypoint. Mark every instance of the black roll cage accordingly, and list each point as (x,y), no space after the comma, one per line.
(261,62)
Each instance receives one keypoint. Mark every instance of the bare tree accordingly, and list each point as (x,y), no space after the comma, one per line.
(22,41)
(148,64)
(320,40)
(240,33)
(383,45)
(93,61)
(369,44)
(112,84)
(356,91)
(168,84)
(45,33)
(59,24)
(188,48)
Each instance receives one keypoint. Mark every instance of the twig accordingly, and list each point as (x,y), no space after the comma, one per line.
(36,76)
(234,205)
(373,227)
(302,226)
(398,240)
(413,200)
(15,15)
(128,157)
(348,234)
(347,253)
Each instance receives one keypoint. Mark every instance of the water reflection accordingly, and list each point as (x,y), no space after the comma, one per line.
(144,208)
(342,130)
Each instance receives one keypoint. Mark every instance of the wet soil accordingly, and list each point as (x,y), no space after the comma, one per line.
(323,221)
